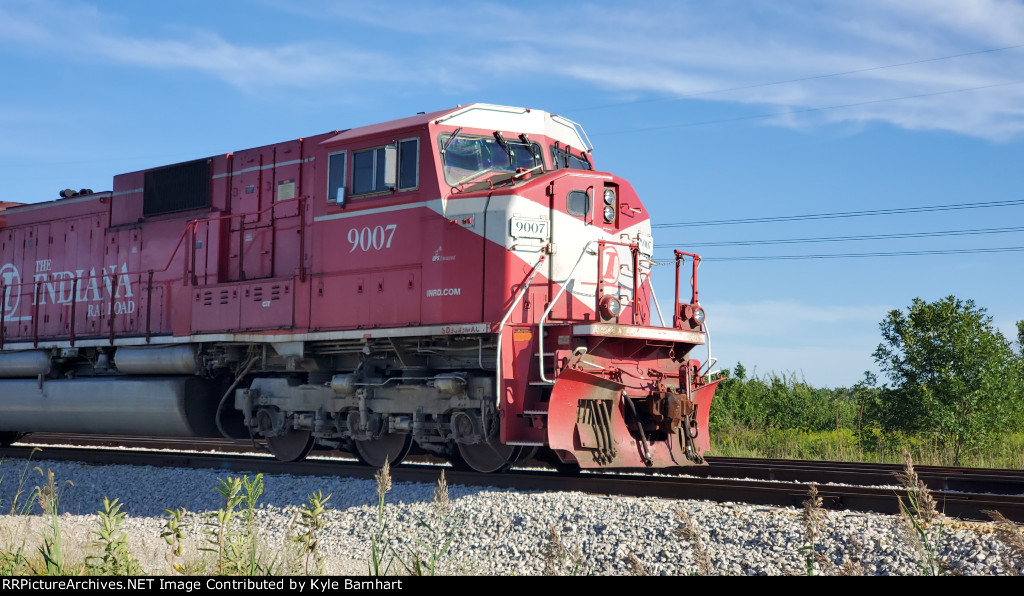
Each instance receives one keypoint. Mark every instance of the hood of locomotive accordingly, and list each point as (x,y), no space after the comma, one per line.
(590,229)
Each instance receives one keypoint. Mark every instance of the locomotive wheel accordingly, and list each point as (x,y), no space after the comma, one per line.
(9,438)
(455,459)
(487,457)
(565,469)
(293,446)
(391,448)
(526,454)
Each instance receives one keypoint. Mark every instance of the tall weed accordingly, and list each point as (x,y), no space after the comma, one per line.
(311,521)
(231,533)
(922,524)
(378,539)
(112,541)
(52,548)
(440,530)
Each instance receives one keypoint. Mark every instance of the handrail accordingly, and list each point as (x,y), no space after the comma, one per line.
(302,239)
(634,249)
(695,296)
(694,300)
(551,305)
(501,329)
(260,212)
(190,228)
(676,320)
(657,307)
(711,361)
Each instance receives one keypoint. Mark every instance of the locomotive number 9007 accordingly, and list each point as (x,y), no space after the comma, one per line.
(375,238)
(529,228)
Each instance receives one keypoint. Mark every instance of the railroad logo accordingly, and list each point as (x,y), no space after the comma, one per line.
(441,257)
(610,265)
(11,279)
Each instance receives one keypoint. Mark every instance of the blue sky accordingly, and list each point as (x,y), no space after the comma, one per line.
(689,100)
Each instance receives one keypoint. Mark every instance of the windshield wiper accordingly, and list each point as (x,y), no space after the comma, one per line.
(449,141)
(504,145)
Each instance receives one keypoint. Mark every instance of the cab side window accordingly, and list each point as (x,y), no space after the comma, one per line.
(370,169)
(408,164)
(336,177)
(387,168)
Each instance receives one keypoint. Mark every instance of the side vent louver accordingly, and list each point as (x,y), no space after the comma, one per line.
(177,188)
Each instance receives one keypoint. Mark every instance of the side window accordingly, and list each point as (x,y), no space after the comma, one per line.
(368,169)
(336,177)
(408,164)
(388,168)
(563,157)
(577,203)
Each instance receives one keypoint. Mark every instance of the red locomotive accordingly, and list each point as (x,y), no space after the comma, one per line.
(464,281)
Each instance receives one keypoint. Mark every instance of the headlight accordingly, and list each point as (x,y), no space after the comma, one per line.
(698,316)
(609,196)
(609,213)
(611,307)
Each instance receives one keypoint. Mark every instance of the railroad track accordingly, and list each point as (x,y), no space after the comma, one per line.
(960,492)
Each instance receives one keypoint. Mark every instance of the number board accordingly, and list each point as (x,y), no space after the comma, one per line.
(521,227)
(646,244)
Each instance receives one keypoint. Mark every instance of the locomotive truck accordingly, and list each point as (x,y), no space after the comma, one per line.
(463,282)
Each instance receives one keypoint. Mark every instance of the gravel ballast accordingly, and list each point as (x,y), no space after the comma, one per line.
(495,531)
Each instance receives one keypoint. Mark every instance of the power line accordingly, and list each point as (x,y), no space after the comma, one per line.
(799,80)
(843,214)
(983,231)
(907,253)
(805,110)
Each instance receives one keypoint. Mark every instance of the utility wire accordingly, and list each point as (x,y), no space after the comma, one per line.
(842,214)
(983,231)
(907,253)
(799,80)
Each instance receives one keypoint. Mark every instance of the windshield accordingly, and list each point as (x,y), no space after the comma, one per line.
(563,157)
(467,156)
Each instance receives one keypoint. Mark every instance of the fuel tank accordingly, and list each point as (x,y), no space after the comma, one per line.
(182,406)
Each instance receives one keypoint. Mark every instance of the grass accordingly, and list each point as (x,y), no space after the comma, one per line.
(845,445)
(688,531)
(231,541)
(114,557)
(923,526)
(311,523)
(562,560)
(428,547)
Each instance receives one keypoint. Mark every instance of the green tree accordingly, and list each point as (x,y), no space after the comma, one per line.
(1020,337)
(953,375)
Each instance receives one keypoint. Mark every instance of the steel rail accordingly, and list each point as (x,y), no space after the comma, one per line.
(683,484)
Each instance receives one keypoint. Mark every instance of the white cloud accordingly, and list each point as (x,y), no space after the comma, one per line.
(291,65)
(99,37)
(655,50)
(676,49)
(826,345)
(986,21)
